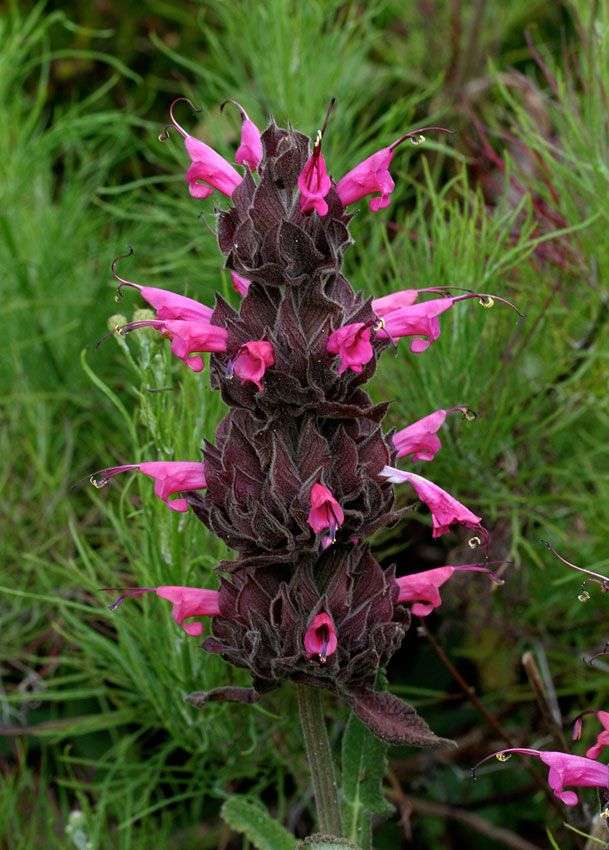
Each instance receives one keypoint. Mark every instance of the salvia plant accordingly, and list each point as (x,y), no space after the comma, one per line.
(301,472)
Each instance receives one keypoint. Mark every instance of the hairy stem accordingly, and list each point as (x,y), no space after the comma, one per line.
(319,757)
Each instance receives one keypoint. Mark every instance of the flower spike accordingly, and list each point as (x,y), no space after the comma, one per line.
(297,479)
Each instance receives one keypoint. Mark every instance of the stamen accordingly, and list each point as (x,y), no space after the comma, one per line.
(126,593)
(487,300)
(583,596)
(603,651)
(122,280)
(418,136)
(242,112)
(596,577)
(467,412)
(474,542)
(177,126)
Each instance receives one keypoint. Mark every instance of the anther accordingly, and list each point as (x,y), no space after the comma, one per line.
(474,542)
(583,596)
(417,140)
(486,301)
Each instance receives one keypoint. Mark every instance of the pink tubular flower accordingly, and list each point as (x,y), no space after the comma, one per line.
(170,305)
(252,361)
(325,513)
(422,589)
(187,337)
(190,602)
(565,769)
(420,320)
(352,344)
(249,151)
(602,739)
(372,175)
(445,509)
(186,602)
(208,170)
(420,439)
(314,183)
(166,304)
(240,284)
(402,298)
(320,638)
(170,477)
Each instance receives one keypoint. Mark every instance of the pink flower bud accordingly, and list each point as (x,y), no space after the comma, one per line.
(249,151)
(320,638)
(325,513)
(240,284)
(314,183)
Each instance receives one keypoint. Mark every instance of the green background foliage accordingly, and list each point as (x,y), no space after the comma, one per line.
(99,746)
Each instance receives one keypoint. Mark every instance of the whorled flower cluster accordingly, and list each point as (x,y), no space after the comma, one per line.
(301,471)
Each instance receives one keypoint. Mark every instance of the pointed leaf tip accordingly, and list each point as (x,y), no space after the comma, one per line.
(392,720)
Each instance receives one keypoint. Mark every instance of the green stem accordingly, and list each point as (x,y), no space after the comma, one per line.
(319,756)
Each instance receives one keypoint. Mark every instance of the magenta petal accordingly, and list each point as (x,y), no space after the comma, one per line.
(352,345)
(370,176)
(325,510)
(188,602)
(252,361)
(419,439)
(320,638)
(445,509)
(249,151)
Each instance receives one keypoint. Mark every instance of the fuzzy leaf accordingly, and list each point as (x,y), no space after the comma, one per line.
(243,815)
(392,720)
(364,764)
(326,842)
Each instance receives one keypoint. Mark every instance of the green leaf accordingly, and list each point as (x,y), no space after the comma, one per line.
(250,818)
(364,762)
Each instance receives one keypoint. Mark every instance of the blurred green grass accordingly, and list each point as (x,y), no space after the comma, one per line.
(91,702)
